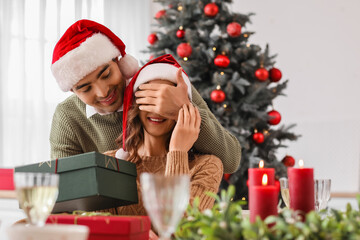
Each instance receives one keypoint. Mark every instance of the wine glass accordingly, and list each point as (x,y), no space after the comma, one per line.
(37,193)
(284,186)
(322,193)
(165,199)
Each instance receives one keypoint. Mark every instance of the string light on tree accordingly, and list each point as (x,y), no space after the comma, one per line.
(180,7)
(275,117)
(217,95)
(234,29)
(152,38)
(211,9)
(262,74)
(184,50)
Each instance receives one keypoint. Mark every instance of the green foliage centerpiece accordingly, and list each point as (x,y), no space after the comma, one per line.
(226,220)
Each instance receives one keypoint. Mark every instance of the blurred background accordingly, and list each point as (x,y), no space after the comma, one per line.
(317,43)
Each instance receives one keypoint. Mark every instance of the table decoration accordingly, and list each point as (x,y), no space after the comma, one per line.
(226,221)
(322,193)
(263,201)
(256,174)
(255,178)
(301,188)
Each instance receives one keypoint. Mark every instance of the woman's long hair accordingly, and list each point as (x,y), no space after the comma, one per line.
(135,134)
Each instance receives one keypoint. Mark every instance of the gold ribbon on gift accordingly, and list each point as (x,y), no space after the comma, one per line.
(80,213)
(49,164)
(112,161)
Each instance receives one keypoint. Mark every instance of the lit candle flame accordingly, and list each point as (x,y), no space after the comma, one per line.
(264,179)
(261,164)
(301,163)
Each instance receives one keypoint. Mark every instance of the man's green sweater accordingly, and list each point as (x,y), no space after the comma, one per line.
(73,133)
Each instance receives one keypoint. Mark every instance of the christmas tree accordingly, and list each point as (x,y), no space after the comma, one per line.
(236,78)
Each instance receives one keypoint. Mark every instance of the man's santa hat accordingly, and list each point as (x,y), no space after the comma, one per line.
(164,68)
(85,46)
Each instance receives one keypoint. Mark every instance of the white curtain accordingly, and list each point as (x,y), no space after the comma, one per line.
(29,94)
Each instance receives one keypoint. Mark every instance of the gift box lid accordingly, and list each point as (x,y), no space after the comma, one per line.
(81,161)
(105,225)
(90,181)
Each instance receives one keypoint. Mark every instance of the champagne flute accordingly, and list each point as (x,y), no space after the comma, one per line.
(284,186)
(37,193)
(165,199)
(322,193)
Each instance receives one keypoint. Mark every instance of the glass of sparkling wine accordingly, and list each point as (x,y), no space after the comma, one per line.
(165,199)
(284,186)
(37,194)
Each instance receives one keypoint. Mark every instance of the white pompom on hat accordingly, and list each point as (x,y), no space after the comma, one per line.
(84,47)
(165,68)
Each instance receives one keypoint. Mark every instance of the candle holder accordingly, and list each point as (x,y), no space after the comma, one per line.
(322,193)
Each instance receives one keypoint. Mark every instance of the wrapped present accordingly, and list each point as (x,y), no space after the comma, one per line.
(90,181)
(7,179)
(108,227)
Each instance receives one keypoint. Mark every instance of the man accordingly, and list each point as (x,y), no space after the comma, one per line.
(85,61)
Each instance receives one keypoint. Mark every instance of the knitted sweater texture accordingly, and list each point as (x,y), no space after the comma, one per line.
(205,173)
(73,133)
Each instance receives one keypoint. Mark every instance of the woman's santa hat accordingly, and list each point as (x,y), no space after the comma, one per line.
(164,68)
(84,47)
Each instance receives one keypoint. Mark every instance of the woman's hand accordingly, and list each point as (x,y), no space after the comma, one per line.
(186,130)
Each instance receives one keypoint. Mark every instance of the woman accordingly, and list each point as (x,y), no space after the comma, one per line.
(164,146)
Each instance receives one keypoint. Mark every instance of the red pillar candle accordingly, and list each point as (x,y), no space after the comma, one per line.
(256,174)
(255,177)
(301,188)
(263,201)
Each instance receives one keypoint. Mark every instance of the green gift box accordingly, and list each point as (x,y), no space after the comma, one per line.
(90,181)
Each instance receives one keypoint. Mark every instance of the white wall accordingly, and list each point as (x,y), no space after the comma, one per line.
(317,42)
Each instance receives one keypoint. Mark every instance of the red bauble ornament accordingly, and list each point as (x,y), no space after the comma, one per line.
(160,14)
(227,176)
(275,75)
(222,61)
(180,33)
(233,29)
(258,137)
(184,50)
(211,9)
(288,161)
(262,74)
(152,38)
(275,117)
(217,96)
